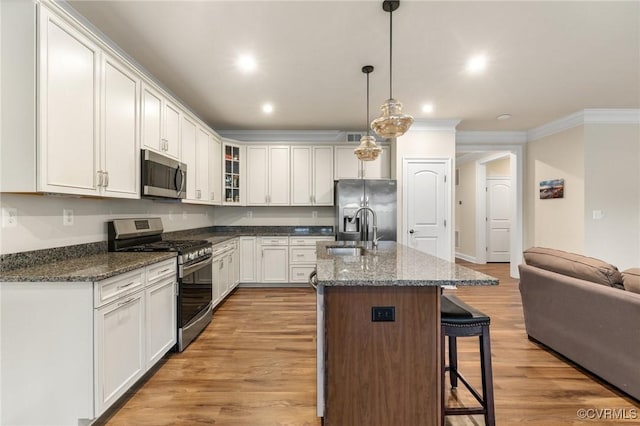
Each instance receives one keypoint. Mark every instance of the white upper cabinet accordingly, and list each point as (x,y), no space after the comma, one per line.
(311,175)
(215,170)
(347,165)
(202,165)
(69,109)
(188,136)
(160,123)
(268,175)
(120,152)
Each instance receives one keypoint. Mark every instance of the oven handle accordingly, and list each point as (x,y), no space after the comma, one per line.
(190,269)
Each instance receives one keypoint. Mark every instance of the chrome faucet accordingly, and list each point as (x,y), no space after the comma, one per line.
(375,223)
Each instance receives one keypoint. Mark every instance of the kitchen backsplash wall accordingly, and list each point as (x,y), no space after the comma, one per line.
(40,219)
(276,216)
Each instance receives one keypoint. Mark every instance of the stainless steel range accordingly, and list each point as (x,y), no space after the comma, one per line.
(194,270)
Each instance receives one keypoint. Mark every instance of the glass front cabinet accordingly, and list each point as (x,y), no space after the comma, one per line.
(231,174)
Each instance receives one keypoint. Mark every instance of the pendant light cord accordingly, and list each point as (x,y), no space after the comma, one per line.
(390,54)
(367,104)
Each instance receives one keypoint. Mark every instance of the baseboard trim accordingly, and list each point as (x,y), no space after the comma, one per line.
(466,257)
(273,285)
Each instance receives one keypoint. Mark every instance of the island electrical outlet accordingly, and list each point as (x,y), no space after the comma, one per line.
(383,313)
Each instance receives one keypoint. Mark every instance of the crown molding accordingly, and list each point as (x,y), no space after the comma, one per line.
(586,116)
(285,135)
(435,125)
(464,137)
(612,116)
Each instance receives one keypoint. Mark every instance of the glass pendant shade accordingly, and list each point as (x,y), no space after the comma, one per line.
(368,150)
(392,123)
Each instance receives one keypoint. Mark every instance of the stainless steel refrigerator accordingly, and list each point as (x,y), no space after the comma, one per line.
(379,195)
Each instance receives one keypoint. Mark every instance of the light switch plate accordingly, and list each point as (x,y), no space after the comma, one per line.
(67,217)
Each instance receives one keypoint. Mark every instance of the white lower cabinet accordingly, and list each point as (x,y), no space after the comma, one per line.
(302,257)
(226,269)
(248,260)
(120,343)
(273,260)
(84,343)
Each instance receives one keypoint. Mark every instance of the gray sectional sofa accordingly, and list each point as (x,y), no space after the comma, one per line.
(586,310)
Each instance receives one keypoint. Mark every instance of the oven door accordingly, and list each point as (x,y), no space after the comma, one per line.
(195,291)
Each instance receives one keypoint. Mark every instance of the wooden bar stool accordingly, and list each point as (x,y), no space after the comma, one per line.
(457,319)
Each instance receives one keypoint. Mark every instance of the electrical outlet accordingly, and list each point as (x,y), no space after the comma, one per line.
(9,217)
(184,215)
(67,217)
(314,214)
(170,215)
(249,214)
(383,313)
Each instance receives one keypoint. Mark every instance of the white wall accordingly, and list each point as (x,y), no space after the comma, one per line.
(556,223)
(612,186)
(418,143)
(40,219)
(466,210)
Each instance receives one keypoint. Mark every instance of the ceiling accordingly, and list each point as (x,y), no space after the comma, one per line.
(545,60)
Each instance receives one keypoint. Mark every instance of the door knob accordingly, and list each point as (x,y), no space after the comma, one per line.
(411,231)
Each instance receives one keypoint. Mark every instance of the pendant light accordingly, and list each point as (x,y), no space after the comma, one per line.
(368,150)
(392,123)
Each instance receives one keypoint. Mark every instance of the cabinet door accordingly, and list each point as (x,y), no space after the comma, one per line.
(234,267)
(278,176)
(69,149)
(224,275)
(189,154)
(120,149)
(171,140)
(215,281)
(215,170)
(346,164)
(301,171)
(202,165)
(257,175)
(275,264)
(248,261)
(160,319)
(380,168)
(322,175)
(120,341)
(151,119)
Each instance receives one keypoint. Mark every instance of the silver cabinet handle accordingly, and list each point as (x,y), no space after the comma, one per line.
(126,285)
(131,299)
(106,179)
(100,178)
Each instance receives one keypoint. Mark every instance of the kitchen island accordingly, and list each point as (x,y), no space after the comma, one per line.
(379,332)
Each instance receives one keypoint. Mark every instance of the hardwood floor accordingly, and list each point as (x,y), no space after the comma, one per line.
(255,365)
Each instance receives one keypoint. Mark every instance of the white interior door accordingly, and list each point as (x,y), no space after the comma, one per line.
(425,207)
(498,219)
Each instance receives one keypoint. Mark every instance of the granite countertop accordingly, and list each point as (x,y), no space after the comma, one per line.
(391,264)
(91,268)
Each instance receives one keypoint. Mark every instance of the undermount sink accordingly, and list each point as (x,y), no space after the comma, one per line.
(345,251)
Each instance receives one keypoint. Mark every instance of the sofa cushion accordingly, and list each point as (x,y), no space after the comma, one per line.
(631,280)
(573,265)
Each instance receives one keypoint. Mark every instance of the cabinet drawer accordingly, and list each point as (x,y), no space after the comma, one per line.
(160,270)
(300,273)
(307,241)
(112,288)
(302,254)
(274,241)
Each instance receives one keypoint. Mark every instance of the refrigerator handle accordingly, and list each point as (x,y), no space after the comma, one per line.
(361,201)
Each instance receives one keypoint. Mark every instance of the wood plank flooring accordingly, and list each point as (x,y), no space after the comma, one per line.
(255,365)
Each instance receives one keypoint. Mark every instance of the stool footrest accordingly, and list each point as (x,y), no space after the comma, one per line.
(457,411)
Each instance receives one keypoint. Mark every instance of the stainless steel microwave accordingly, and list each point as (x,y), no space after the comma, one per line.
(162,177)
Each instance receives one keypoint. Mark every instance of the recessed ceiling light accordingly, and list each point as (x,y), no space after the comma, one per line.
(267,108)
(246,63)
(427,108)
(502,117)
(477,64)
